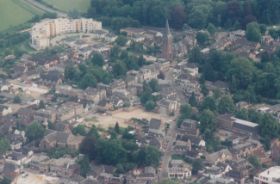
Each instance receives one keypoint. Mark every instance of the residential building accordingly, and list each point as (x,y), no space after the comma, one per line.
(275,150)
(269,176)
(44,31)
(178,169)
(60,139)
(219,157)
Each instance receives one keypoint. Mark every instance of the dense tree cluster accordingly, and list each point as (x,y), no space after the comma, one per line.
(247,80)
(269,126)
(91,72)
(120,150)
(60,152)
(8,40)
(5,181)
(147,97)
(34,132)
(79,130)
(196,13)
(185,112)
(4,146)
(123,61)
(253,32)
(88,74)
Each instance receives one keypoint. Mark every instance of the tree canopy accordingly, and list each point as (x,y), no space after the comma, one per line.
(4,146)
(196,13)
(35,131)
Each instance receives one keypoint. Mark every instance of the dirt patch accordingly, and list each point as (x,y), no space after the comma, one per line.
(123,117)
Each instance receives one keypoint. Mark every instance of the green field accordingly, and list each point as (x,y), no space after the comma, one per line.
(15,12)
(69,5)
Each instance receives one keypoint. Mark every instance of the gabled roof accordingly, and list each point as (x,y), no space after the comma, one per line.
(155,123)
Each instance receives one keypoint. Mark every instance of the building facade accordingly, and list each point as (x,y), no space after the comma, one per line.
(44,31)
(269,176)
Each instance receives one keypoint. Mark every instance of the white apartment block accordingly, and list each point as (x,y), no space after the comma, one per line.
(44,31)
(269,176)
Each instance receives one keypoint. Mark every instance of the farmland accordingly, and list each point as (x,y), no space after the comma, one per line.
(69,5)
(15,12)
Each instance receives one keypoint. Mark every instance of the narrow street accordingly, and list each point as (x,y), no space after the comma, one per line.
(169,139)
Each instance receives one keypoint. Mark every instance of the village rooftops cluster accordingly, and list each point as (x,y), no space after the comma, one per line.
(36,91)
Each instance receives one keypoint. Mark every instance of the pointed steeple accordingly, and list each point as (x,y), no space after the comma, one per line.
(167,49)
(168,32)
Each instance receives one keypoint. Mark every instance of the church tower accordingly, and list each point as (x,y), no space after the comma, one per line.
(167,49)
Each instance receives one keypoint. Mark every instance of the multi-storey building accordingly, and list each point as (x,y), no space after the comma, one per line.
(269,176)
(44,31)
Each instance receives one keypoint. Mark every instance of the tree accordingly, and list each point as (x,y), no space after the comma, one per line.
(199,15)
(255,162)
(240,73)
(207,123)
(84,166)
(186,111)
(35,131)
(211,28)
(71,73)
(253,32)
(93,132)
(79,130)
(97,59)
(150,105)
(197,165)
(88,80)
(128,135)
(74,14)
(119,69)
(177,16)
(226,105)
(148,156)
(121,40)
(269,127)
(4,146)
(89,147)
(154,85)
(59,152)
(209,103)
(117,128)
(202,38)
(204,89)
(192,100)
(17,99)
(196,56)
(5,181)
(110,152)
(41,104)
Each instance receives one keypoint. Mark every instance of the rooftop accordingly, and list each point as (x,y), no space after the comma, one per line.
(155,123)
(244,122)
(272,172)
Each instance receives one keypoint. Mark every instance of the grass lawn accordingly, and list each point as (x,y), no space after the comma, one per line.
(15,12)
(68,5)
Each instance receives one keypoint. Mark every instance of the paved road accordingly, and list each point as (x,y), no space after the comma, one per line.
(169,139)
(45,8)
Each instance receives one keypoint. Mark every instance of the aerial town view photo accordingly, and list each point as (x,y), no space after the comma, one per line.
(140,92)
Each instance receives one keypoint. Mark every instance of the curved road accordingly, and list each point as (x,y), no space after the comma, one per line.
(46,8)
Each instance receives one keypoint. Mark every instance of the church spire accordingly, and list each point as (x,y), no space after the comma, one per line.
(168,32)
(167,49)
